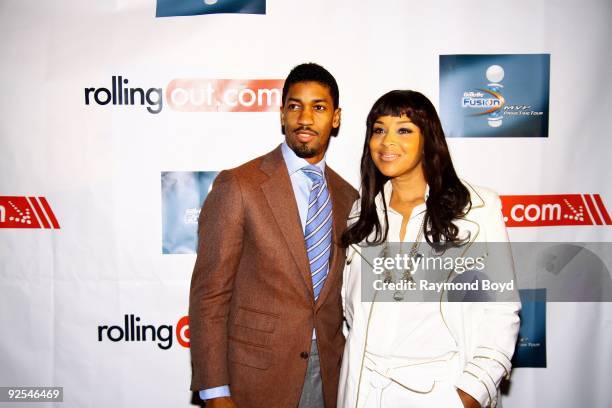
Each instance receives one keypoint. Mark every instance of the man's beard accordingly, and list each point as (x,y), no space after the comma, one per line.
(303,151)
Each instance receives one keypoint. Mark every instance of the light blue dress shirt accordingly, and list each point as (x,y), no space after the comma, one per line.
(301,190)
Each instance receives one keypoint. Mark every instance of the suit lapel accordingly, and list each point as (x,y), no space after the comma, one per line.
(280,196)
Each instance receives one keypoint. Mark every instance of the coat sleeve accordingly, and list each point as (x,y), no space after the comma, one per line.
(348,316)
(498,329)
(346,274)
(220,240)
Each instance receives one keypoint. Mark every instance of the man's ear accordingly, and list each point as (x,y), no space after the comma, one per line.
(282,116)
(336,118)
(282,120)
(336,122)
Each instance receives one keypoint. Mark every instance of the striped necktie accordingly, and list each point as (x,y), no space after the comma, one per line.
(318,230)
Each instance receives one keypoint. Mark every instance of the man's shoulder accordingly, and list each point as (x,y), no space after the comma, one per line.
(343,186)
(250,171)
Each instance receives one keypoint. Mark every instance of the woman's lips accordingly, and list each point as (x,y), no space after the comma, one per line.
(388,156)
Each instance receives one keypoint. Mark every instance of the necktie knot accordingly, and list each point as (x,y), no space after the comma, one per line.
(313,173)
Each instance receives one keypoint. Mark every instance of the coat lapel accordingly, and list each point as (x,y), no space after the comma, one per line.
(279,193)
(468,224)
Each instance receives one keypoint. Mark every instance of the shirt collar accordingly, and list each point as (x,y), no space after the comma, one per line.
(475,198)
(388,189)
(295,163)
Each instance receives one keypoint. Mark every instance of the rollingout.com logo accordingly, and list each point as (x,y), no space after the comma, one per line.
(133,330)
(121,94)
(193,95)
(554,210)
(26,212)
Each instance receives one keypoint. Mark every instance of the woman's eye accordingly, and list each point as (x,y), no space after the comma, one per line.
(404,131)
(378,131)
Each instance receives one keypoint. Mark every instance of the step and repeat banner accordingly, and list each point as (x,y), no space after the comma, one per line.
(118,115)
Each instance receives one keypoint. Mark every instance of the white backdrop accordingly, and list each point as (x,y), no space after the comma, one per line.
(99,166)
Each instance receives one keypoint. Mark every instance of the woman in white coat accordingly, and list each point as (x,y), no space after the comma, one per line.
(420,354)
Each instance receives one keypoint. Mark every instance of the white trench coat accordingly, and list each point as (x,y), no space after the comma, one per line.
(484,333)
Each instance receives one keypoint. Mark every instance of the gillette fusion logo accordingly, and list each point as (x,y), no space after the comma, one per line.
(26,212)
(133,330)
(554,210)
(477,99)
(193,95)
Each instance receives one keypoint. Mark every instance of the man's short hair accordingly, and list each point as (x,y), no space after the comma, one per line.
(311,72)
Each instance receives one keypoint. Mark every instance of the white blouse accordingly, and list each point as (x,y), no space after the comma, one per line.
(414,331)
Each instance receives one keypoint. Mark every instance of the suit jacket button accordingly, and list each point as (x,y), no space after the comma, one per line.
(304,355)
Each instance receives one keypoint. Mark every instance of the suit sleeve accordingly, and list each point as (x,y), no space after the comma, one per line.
(498,328)
(220,237)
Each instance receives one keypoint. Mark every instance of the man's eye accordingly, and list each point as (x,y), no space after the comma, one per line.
(319,108)
(293,106)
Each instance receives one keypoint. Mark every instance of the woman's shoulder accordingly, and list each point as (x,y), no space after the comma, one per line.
(356,208)
(481,196)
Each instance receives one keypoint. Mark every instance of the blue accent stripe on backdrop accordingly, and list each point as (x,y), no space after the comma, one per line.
(171,8)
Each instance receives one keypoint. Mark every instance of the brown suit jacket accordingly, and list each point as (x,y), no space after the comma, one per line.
(252,309)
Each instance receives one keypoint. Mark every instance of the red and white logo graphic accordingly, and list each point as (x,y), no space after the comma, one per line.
(26,212)
(554,210)
(224,95)
(182,331)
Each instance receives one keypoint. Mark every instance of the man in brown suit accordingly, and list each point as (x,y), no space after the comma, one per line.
(265,308)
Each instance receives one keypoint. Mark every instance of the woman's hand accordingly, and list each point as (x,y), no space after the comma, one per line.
(467,400)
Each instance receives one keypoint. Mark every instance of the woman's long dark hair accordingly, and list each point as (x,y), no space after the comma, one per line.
(448,197)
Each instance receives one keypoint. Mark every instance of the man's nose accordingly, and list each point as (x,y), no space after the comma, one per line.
(306,117)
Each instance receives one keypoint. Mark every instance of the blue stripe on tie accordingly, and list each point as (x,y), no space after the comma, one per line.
(321,268)
(318,229)
(320,273)
(320,255)
(313,200)
(318,285)
(313,217)
(321,261)
(314,254)
(319,282)
(328,217)
(316,244)
(312,171)
(322,218)
(320,238)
